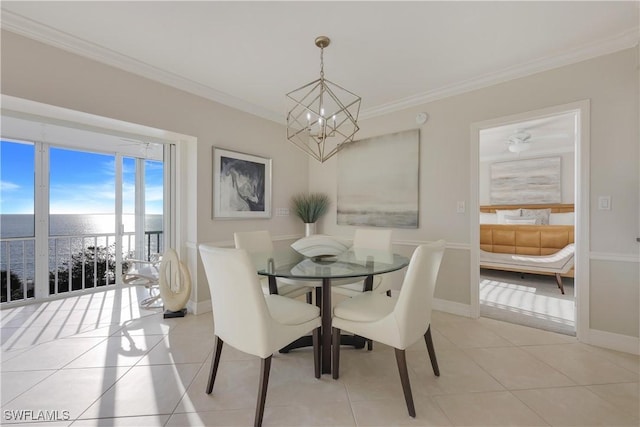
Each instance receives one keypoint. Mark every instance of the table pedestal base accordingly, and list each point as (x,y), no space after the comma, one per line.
(306,341)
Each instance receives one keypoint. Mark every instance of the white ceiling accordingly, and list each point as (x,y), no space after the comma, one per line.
(393,54)
(549,135)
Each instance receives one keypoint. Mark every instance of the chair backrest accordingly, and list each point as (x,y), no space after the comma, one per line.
(253,241)
(240,314)
(413,309)
(378,239)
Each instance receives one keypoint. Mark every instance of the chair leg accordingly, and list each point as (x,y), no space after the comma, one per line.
(389,292)
(262,391)
(369,345)
(309,297)
(432,351)
(214,363)
(559,281)
(316,351)
(335,369)
(404,379)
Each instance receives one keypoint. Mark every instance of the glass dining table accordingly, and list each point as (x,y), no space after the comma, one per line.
(322,272)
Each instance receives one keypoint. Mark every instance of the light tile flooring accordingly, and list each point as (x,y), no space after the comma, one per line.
(106,363)
(528,299)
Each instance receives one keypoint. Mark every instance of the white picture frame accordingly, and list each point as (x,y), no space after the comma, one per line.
(241,185)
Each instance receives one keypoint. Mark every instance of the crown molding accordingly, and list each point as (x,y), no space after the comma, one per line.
(33,30)
(624,40)
(28,28)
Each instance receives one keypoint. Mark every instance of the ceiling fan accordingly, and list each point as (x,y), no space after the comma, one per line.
(521,140)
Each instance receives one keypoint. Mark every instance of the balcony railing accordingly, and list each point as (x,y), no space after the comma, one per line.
(76,262)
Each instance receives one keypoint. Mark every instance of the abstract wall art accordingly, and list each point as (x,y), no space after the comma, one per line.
(527,181)
(241,185)
(378,181)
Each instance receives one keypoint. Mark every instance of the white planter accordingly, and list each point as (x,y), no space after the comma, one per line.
(309,228)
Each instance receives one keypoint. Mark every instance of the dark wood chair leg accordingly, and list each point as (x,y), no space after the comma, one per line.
(369,345)
(559,280)
(335,369)
(262,390)
(389,293)
(432,351)
(316,351)
(310,297)
(214,363)
(404,379)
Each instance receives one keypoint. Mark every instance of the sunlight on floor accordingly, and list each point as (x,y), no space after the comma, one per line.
(525,300)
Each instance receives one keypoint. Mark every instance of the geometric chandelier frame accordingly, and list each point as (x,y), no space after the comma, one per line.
(322,116)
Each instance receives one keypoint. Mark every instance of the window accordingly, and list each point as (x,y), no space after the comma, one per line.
(99,200)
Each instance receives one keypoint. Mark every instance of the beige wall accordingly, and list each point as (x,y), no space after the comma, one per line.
(611,84)
(37,72)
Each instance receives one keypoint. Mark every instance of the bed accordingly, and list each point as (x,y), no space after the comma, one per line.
(535,239)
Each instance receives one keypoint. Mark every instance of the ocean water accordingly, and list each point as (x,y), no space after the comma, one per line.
(18,254)
(23,225)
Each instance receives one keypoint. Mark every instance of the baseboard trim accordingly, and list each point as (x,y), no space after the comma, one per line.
(199,307)
(614,341)
(452,307)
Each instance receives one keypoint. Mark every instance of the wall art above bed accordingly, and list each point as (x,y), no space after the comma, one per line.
(530,181)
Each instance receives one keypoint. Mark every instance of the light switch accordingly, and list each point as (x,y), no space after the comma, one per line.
(604,203)
(460,206)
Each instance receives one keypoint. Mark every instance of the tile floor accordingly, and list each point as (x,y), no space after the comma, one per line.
(528,299)
(100,361)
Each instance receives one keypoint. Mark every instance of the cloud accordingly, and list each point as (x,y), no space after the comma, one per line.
(9,186)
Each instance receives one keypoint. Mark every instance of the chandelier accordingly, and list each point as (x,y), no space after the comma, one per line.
(323,116)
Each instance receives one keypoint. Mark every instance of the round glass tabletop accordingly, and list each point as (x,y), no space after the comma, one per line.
(352,263)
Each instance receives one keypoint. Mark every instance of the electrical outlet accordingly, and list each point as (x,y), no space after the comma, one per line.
(282,211)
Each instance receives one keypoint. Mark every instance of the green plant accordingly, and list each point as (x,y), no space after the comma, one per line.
(310,207)
(95,265)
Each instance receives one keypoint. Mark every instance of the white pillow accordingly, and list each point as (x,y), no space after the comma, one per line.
(320,245)
(502,213)
(564,218)
(543,214)
(521,221)
(488,218)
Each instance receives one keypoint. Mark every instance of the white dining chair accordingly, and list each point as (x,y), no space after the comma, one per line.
(368,239)
(396,323)
(261,242)
(249,321)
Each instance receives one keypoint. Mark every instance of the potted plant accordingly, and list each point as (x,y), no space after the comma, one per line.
(309,207)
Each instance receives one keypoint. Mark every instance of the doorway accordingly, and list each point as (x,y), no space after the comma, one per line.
(557,137)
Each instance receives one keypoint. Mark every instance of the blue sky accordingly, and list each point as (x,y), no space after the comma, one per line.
(80,182)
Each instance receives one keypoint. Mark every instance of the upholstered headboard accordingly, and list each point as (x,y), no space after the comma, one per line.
(525,239)
(555,207)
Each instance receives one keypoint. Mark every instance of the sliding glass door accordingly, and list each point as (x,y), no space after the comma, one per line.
(17,220)
(72,217)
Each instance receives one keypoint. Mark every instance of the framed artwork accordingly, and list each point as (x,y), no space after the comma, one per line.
(241,185)
(528,181)
(378,181)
